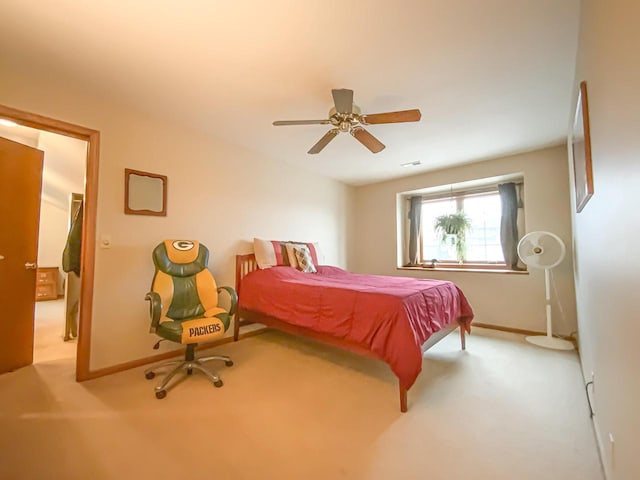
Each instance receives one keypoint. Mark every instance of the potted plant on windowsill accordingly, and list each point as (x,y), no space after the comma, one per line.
(457,224)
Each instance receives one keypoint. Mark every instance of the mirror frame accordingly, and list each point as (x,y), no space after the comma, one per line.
(127,173)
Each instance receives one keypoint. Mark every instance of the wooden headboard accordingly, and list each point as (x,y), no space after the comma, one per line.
(245,264)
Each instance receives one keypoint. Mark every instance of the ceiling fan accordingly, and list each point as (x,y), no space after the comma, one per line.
(346,117)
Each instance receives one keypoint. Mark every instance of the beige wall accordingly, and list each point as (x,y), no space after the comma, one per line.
(607,231)
(219,194)
(62,174)
(64,167)
(52,237)
(515,301)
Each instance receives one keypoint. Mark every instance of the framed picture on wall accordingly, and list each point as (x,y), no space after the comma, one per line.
(581,149)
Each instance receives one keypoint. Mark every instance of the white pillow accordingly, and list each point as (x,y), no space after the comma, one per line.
(269,253)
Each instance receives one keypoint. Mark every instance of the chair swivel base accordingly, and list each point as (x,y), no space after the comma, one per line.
(189,365)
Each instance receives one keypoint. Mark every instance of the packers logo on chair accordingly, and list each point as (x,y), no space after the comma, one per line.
(184,252)
(183,245)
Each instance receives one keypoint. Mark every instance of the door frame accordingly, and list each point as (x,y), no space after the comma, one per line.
(87,262)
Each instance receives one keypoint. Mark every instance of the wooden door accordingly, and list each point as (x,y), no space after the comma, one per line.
(20,186)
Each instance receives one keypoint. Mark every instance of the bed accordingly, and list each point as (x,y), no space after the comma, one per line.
(393,319)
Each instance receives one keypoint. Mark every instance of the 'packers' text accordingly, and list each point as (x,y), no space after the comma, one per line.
(205,330)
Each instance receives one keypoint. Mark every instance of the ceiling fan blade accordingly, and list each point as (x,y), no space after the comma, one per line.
(343,100)
(324,141)
(392,117)
(368,140)
(301,122)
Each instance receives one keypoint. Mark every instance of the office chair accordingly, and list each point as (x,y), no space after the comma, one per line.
(184,307)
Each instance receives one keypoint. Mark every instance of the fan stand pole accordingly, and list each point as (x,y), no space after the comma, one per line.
(548,299)
(549,341)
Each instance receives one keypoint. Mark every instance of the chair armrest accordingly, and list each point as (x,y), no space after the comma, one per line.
(233,297)
(155,309)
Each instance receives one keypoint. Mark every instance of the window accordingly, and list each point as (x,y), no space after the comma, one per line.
(482,240)
(477,205)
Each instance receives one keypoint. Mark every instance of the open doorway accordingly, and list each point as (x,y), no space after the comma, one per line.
(63,314)
(57,288)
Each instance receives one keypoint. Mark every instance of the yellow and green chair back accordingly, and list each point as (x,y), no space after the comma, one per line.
(184,302)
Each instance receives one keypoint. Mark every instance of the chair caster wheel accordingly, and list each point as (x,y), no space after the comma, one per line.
(229,363)
(218,383)
(149,375)
(189,371)
(160,394)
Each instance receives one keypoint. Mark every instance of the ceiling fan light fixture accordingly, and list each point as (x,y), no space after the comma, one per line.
(346,117)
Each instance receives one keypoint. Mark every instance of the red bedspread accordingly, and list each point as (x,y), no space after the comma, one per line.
(389,316)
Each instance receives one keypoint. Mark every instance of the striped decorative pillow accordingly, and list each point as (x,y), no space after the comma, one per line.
(303,256)
(270,253)
(314,251)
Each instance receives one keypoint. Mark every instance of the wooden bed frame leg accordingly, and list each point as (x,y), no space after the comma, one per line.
(236,328)
(403,400)
(463,342)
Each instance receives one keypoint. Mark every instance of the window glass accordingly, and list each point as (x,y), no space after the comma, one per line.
(432,247)
(480,203)
(483,240)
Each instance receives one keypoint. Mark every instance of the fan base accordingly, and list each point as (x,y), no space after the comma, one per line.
(550,342)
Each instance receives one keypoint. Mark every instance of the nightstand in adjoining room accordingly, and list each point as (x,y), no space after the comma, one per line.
(47,283)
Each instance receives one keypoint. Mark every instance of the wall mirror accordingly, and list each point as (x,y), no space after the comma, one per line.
(145,193)
(581,149)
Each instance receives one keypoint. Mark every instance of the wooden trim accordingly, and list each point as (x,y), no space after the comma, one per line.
(87,268)
(244,265)
(92,137)
(506,329)
(40,122)
(583,107)
(461,268)
(464,265)
(166,355)
(519,331)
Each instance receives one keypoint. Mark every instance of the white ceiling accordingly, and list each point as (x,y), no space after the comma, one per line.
(491,77)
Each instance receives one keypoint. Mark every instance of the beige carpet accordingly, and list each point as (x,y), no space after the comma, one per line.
(49,333)
(291,409)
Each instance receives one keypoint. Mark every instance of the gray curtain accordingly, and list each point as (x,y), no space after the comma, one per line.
(415,216)
(509,224)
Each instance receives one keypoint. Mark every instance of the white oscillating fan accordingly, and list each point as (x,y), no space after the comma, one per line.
(544,250)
